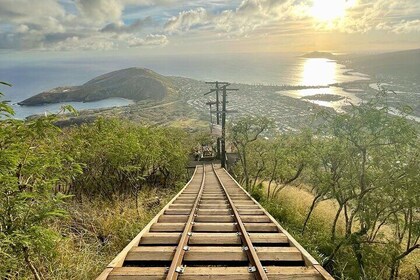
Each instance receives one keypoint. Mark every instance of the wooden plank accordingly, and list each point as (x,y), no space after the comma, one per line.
(207,238)
(105,273)
(261,238)
(214,212)
(151,253)
(215,273)
(213,202)
(255,219)
(173,219)
(243,202)
(215,254)
(177,211)
(261,227)
(309,260)
(215,239)
(180,206)
(214,206)
(247,207)
(214,227)
(214,218)
(119,259)
(168,227)
(160,238)
(250,212)
(279,254)
(234,238)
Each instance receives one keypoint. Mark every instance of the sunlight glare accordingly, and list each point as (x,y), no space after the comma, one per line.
(328,10)
(318,71)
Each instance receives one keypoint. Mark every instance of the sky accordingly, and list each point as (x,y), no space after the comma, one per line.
(207,26)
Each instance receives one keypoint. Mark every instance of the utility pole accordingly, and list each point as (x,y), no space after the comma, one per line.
(210,104)
(217,103)
(221,141)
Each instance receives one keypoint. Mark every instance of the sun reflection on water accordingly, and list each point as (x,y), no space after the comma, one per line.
(318,71)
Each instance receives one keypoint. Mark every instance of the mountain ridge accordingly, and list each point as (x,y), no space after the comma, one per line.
(131,83)
(403,65)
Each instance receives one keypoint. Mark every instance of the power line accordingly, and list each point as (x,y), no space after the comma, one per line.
(221,141)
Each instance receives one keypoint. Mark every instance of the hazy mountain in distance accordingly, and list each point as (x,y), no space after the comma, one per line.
(131,83)
(319,55)
(402,64)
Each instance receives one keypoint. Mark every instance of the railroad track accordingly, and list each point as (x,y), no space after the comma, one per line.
(213,230)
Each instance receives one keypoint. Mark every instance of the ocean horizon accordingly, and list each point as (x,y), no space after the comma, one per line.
(31,78)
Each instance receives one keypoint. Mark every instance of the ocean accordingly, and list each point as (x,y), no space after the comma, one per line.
(34,75)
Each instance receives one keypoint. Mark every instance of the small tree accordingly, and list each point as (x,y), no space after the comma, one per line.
(365,142)
(287,157)
(242,134)
(30,169)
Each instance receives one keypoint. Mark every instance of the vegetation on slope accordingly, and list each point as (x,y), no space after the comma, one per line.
(71,199)
(366,163)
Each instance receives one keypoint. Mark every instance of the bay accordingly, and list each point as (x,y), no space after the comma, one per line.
(33,76)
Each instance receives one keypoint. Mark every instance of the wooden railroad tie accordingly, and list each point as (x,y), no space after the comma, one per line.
(213,229)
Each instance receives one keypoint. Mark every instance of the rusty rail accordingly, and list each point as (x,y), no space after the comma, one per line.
(256,266)
(175,269)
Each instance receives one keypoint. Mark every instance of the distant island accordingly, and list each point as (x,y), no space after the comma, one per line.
(132,83)
(319,55)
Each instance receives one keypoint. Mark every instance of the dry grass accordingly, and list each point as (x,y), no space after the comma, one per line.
(97,231)
(296,202)
(299,199)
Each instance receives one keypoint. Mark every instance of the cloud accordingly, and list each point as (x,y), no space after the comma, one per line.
(100,11)
(43,15)
(187,20)
(150,40)
(20,41)
(113,24)
(384,15)
(406,26)
(245,18)
(122,28)
(21,11)
(89,43)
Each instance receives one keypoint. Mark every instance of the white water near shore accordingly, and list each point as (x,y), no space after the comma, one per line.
(21,112)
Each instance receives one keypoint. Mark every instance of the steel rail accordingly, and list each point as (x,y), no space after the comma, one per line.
(253,258)
(175,269)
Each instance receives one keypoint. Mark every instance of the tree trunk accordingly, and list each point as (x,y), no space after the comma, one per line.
(334,226)
(34,270)
(396,260)
(136,194)
(393,274)
(328,264)
(245,166)
(271,179)
(269,189)
(359,257)
(311,209)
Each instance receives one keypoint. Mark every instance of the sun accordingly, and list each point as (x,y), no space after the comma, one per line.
(327,10)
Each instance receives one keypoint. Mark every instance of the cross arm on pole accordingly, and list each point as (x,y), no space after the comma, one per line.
(212,90)
(222,89)
(214,102)
(225,111)
(220,83)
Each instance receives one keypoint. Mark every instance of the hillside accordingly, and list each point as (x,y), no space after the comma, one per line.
(402,65)
(131,83)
